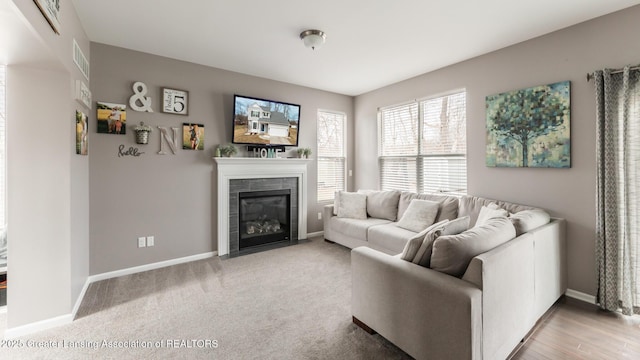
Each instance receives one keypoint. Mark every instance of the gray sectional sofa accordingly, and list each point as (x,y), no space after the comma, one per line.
(480,312)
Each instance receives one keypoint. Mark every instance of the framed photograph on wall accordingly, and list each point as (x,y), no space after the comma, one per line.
(175,101)
(50,9)
(82,130)
(112,118)
(193,136)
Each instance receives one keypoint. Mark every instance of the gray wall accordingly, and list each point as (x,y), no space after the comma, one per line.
(609,41)
(173,196)
(48,197)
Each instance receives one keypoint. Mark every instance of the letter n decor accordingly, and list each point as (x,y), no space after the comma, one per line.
(530,127)
(173,142)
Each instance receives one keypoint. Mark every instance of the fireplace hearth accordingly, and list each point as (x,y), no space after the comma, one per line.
(264,218)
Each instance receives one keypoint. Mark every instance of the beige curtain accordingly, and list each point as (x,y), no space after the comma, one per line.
(618,189)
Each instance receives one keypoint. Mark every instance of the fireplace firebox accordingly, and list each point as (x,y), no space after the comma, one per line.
(264,218)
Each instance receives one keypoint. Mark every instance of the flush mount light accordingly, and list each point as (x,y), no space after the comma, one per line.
(313,38)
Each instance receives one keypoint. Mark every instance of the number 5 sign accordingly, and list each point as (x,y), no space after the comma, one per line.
(175,101)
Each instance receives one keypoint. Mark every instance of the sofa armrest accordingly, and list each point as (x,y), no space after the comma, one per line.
(506,276)
(327,213)
(426,313)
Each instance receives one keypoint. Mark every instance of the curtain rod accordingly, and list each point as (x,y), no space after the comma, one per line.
(616,71)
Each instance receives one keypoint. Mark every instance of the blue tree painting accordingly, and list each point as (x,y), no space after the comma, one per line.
(530,127)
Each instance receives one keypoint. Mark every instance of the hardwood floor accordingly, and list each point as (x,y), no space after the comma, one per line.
(577,330)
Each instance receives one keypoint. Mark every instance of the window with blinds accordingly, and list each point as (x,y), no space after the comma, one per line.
(331,154)
(423,145)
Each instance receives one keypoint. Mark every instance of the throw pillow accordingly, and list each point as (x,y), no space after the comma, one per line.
(489,212)
(382,204)
(413,245)
(352,205)
(454,227)
(527,220)
(419,215)
(453,253)
(448,204)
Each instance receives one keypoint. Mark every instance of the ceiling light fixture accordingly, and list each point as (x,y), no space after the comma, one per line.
(313,38)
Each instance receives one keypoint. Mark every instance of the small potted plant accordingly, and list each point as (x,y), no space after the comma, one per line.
(304,153)
(142,133)
(227,150)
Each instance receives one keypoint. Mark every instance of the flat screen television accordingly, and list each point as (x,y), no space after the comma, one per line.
(265,122)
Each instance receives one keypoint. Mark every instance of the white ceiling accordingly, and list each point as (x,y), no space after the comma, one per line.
(370,43)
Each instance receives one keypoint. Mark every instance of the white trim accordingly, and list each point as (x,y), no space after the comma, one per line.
(580,296)
(68,318)
(147,267)
(76,307)
(37,326)
(424,98)
(314,234)
(258,168)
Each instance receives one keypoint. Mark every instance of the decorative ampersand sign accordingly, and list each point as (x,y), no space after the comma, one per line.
(139,92)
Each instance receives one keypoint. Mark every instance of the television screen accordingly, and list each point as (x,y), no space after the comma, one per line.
(265,122)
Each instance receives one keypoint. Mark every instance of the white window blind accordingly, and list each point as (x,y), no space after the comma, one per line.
(331,154)
(423,147)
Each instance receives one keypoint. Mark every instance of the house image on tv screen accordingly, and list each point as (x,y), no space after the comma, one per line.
(259,121)
(264,121)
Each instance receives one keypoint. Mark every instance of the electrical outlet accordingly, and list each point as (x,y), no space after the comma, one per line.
(151,240)
(319,216)
(350,172)
(142,242)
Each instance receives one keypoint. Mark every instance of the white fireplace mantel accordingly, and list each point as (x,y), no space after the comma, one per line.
(258,168)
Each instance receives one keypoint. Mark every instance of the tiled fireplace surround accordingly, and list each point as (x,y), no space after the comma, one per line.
(236,186)
(236,175)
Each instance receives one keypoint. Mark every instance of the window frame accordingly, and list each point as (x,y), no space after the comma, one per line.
(343,158)
(419,183)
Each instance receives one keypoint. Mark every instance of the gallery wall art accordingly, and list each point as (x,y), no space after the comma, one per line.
(82,128)
(112,118)
(193,136)
(530,127)
(51,11)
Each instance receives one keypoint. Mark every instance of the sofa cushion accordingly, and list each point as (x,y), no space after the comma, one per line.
(448,208)
(528,220)
(452,253)
(419,215)
(490,211)
(356,228)
(382,204)
(389,236)
(471,205)
(413,245)
(352,205)
(453,227)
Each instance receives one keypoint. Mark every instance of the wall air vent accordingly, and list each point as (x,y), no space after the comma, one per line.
(80,60)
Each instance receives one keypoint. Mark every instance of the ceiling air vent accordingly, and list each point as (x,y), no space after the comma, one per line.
(80,60)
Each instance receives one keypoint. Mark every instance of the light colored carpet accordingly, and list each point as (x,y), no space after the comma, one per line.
(288,303)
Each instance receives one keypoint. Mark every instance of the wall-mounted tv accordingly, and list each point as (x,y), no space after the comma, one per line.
(265,122)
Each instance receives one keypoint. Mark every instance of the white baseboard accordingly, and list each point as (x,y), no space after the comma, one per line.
(37,326)
(580,296)
(314,234)
(68,318)
(74,311)
(147,267)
